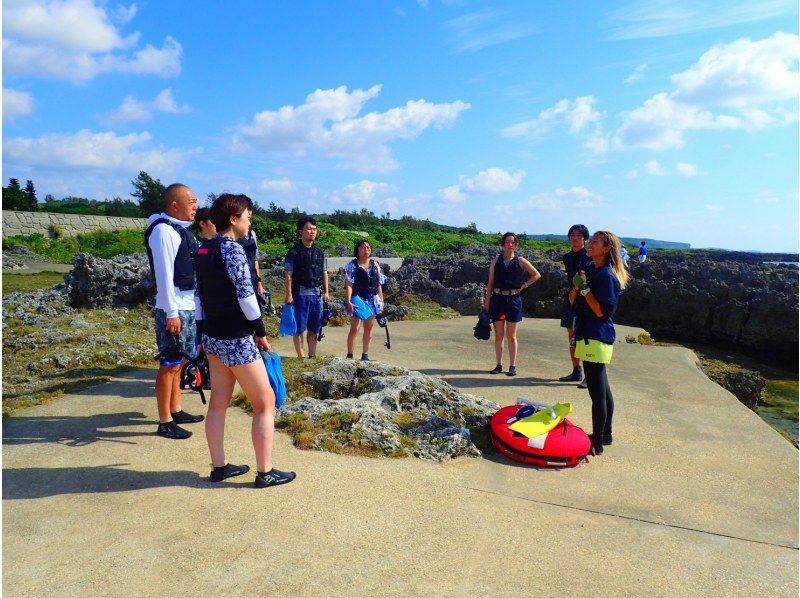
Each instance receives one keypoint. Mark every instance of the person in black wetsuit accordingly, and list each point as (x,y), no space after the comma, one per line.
(507,274)
(595,295)
(229,321)
(575,260)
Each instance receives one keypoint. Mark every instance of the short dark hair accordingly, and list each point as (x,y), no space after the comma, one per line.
(202,215)
(358,244)
(581,229)
(642,242)
(301,223)
(225,206)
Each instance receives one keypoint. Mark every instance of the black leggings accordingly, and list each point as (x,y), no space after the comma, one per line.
(602,399)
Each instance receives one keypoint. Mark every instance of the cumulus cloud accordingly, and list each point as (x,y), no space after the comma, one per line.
(489,27)
(687,170)
(742,85)
(16,104)
(88,150)
(77,40)
(636,75)
(490,181)
(563,199)
(328,124)
(133,110)
(654,168)
(575,114)
(282,185)
(361,193)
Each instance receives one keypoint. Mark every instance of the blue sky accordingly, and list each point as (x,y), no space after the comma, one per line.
(674,120)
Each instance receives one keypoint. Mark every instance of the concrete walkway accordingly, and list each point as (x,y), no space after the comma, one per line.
(696,497)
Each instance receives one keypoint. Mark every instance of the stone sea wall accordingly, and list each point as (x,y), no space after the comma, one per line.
(44,223)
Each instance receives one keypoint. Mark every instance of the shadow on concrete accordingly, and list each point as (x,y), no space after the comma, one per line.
(460,379)
(40,482)
(76,431)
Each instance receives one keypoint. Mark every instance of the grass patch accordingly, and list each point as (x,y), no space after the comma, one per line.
(423,309)
(645,339)
(405,420)
(24,283)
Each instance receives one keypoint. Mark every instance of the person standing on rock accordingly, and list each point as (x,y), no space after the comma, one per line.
(306,285)
(643,253)
(595,294)
(574,260)
(232,332)
(170,250)
(503,301)
(363,278)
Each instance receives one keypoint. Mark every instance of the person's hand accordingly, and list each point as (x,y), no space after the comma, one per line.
(579,281)
(200,349)
(289,299)
(349,307)
(262,343)
(174,325)
(326,297)
(261,290)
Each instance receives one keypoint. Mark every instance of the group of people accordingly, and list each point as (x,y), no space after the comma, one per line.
(596,274)
(208,300)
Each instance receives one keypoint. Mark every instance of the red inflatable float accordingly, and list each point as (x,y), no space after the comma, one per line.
(565,445)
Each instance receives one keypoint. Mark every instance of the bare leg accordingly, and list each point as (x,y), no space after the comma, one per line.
(175,399)
(499,335)
(252,377)
(167,379)
(311,338)
(571,337)
(511,335)
(222,382)
(298,344)
(368,324)
(351,336)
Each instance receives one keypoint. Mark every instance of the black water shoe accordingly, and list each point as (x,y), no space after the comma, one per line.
(583,384)
(607,439)
(575,376)
(497,370)
(227,471)
(173,431)
(181,417)
(273,477)
(512,371)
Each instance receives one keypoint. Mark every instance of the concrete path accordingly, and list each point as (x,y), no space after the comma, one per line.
(696,497)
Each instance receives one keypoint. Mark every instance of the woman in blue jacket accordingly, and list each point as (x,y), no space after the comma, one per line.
(595,294)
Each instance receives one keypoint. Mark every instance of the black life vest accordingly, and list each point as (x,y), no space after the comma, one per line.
(251,251)
(223,318)
(183,268)
(574,262)
(367,281)
(508,277)
(309,266)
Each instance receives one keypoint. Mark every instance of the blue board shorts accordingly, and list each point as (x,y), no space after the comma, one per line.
(509,306)
(308,313)
(167,343)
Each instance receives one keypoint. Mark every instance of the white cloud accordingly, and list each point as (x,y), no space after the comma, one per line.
(16,104)
(636,75)
(575,114)
(661,18)
(576,197)
(490,181)
(75,40)
(633,174)
(686,169)
(489,27)
(361,193)
(742,85)
(327,124)
(138,110)
(282,185)
(654,168)
(85,149)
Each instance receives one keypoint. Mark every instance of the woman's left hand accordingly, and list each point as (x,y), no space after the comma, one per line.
(262,343)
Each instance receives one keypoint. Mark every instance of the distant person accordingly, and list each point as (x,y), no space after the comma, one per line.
(643,253)
(625,256)
(250,246)
(574,260)
(595,294)
(306,285)
(232,332)
(170,250)
(503,301)
(202,220)
(363,277)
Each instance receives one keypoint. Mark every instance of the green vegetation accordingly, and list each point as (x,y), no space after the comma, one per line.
(23,283)
(102,243)
(423,309)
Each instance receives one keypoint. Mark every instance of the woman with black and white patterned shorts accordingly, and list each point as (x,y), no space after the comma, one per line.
(231,330)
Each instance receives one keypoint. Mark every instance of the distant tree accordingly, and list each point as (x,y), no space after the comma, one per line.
(150,193)
(49,198)
(14,198)
(33,203)
(123,207)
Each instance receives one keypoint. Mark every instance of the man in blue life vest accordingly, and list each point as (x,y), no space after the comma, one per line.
(170,249)
(643,253)
(306,285)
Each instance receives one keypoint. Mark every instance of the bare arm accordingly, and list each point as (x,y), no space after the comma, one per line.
(287,287)
(528,267)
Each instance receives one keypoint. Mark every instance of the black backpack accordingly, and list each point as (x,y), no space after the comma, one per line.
(483,329)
